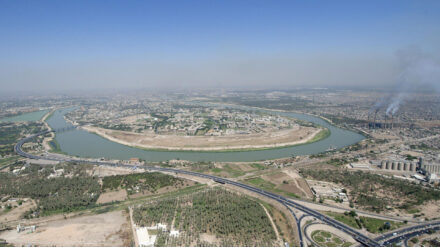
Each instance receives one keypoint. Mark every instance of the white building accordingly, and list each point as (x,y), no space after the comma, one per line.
(144,239)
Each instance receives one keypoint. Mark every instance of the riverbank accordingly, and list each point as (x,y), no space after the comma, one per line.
(281,139)
(48,140)
(81,143)
(50,143)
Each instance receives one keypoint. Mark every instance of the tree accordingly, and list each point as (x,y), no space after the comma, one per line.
(352,213)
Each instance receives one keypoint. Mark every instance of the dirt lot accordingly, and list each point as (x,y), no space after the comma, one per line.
(109,229)
(110,196)
(103,171)
(174,142)
(16,211)
(290,181)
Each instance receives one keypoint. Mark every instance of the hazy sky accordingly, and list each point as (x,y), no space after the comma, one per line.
(179,44)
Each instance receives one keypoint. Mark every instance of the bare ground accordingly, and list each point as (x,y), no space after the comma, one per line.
(280,138)
(109,229)
(16,212)
(272,223)
(119,195)
(289,181)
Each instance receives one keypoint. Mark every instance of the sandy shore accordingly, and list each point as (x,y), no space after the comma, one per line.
(275,139)
(46,140)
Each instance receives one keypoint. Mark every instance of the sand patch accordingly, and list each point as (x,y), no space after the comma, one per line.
(96,230)
(17,210)
(119,195)
(287,137)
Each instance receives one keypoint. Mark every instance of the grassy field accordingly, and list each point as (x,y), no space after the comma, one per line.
(346,219)
(372,225)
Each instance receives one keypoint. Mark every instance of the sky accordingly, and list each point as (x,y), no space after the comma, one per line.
(89,45)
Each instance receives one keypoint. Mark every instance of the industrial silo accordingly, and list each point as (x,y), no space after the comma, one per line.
(388,165)
(413,167)
(406,166)
(394,165)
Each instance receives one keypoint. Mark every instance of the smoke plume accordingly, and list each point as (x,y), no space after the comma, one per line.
(418,70)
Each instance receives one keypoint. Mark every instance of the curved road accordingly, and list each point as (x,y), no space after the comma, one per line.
(361,238)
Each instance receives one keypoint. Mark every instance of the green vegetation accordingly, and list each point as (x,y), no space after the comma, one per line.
(10,161)
(228,169)
(266,185)
(328,239)
(346,219)
(341,161)
(60,194)
(140,182)
(410,157)
(423,146)
(372,225)
(10,133)
(233,219)
(123,127)
(234,172)
(324,133)
(281,222)
(336,162)
(55,147)
(374,192)
(258,166)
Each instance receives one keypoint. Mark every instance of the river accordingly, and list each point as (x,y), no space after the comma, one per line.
(29,116)
(81,143)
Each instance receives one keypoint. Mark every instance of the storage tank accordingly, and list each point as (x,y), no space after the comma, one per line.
(383,164)
(400,166)
(406,166)
(394,166)
(413,167)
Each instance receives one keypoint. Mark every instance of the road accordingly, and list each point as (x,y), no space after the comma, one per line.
(408,232)
(361,238)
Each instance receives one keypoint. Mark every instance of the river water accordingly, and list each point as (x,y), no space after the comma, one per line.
(81,143)
(30,116)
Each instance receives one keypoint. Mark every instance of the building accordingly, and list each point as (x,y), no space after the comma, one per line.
(431,168)
(144,239)
(134,160)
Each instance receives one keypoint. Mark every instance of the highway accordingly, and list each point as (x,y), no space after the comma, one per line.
(408,232)
(361,238)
